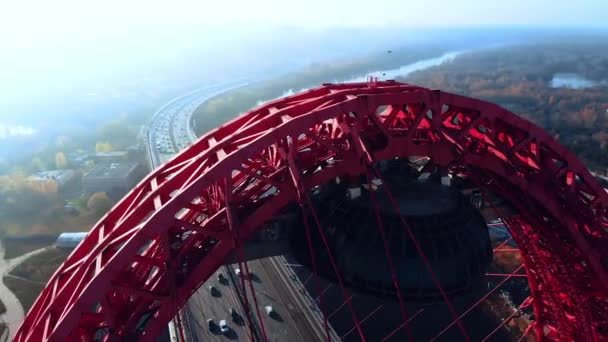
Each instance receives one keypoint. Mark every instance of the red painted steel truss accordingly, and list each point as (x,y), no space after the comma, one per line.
(146,257)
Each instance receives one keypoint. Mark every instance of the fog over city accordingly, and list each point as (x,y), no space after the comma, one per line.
(68,60)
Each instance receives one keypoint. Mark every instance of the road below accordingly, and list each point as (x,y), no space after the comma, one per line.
(14,310)
(169,132)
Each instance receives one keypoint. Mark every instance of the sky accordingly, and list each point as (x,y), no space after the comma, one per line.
(51,48)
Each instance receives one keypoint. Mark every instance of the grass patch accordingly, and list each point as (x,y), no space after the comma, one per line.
(15,248)
(28,279)
(49,223)
(25,291)
(40,267)
(3,330)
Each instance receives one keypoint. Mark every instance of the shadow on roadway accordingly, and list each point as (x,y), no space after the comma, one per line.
(276,316)
(231,334)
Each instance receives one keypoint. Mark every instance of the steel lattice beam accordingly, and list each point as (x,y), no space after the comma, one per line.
(149,254)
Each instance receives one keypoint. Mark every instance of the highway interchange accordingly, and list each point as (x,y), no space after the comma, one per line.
(297,317)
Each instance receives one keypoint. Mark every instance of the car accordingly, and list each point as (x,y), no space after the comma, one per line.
(220,277)
(233,314)
(213,290)
(269,310)
(239,273)
(211,325)
(223,326)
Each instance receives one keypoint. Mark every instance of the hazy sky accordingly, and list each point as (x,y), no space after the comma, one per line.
(56,45)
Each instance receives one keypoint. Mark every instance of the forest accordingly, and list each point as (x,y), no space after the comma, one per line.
(519,79)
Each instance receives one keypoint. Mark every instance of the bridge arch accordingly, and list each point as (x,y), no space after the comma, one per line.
(147,256)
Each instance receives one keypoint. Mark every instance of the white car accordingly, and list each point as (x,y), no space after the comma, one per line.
(269,310)
(239,273)
(223,326)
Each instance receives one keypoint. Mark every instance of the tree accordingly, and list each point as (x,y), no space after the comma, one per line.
(103,147)
(48,186)
(100,203)
(37,165)
(62,141)
(24,201)
(61,162)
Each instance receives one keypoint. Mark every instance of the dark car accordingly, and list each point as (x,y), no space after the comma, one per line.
(212,326)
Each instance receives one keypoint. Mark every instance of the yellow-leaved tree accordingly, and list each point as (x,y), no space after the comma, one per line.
(61,162)
(100,203)
(103,147)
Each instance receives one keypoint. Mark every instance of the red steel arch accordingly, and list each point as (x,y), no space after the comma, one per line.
(147,256)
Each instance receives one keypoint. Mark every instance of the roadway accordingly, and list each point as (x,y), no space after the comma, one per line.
(297,317)
(168,133)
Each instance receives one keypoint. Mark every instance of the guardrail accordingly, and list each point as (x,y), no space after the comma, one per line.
(307,303)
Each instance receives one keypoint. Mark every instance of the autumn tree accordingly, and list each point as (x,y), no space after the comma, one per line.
(18,198)
(62,141)
(103,147)
(100,203)
(61,162)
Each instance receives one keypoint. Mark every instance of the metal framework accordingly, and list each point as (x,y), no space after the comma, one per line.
(145,258)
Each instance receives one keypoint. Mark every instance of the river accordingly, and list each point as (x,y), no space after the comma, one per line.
(407,69)
(573,81)
(388,74)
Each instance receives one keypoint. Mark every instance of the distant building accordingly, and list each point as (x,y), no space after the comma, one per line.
(77,159)
(63,180)
(113,178)
(111,156)
(70,240)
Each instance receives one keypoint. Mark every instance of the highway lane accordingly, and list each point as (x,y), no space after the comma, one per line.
(166,136)
(294,320)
